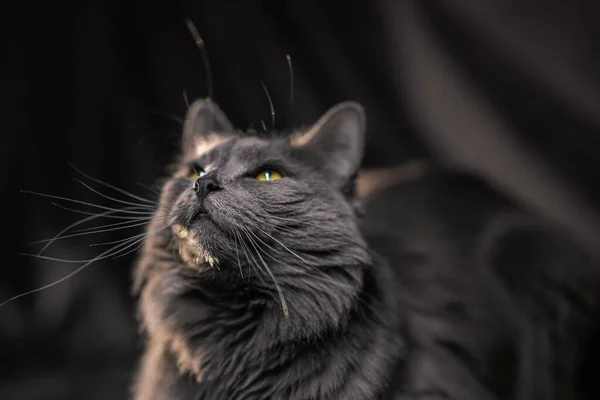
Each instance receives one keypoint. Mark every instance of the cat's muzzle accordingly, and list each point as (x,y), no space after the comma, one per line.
(190,250)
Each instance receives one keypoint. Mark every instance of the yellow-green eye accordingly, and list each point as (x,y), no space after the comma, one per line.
(269,175)
(197,173)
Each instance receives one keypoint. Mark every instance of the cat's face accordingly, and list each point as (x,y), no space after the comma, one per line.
(266,207)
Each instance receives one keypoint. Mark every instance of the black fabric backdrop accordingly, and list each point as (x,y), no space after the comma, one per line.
(510,89)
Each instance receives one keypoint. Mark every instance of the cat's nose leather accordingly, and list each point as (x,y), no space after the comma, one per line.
(204,185)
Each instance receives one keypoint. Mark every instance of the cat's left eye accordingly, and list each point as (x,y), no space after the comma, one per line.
(269,175)
(198,172)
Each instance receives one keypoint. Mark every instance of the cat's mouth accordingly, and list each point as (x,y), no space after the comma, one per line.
(190,249)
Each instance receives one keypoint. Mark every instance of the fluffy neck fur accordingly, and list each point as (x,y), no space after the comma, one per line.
(220,339)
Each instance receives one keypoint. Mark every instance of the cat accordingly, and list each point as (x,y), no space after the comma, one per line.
(267,275)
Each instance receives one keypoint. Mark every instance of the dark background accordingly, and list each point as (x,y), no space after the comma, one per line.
(509,89)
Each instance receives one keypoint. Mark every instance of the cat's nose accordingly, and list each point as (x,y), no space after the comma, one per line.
(204,185)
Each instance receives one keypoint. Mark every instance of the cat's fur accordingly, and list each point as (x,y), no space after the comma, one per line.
(467,299)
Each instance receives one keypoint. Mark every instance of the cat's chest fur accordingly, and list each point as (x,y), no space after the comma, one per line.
(204,345)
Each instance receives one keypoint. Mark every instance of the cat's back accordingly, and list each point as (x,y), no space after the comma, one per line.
(497,303)
(440,207)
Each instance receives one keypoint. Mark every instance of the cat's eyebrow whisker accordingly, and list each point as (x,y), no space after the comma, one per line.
(149,207)
(108,185)
(284,306)
(185,99)
(270,104)
(200,43)
(289,61)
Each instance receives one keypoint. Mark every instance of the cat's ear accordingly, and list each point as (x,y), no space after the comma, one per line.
(205,126)
(338,136)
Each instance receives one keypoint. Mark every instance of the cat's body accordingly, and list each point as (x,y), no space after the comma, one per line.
(279,290)
(498,305)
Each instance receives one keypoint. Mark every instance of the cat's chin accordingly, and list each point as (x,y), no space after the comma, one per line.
(190,250)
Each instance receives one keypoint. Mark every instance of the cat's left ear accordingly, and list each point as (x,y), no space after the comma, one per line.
(205,126)
(338,136)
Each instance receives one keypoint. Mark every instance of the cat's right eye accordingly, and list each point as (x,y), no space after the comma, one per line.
(198,172)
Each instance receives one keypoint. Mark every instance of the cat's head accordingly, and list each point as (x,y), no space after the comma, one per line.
(268,209)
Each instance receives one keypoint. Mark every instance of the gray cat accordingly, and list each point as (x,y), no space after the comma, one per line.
(265,277)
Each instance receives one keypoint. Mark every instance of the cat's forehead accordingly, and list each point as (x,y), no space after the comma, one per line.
(241,149)
(204,144)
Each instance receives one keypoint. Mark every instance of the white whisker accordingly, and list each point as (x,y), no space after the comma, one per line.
(112,186)
(113,198)
(284,306)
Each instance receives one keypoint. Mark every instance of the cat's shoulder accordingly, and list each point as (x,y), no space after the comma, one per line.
(431,201)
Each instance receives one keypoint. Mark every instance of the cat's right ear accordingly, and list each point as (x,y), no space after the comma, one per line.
(338,136)
(205,126)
